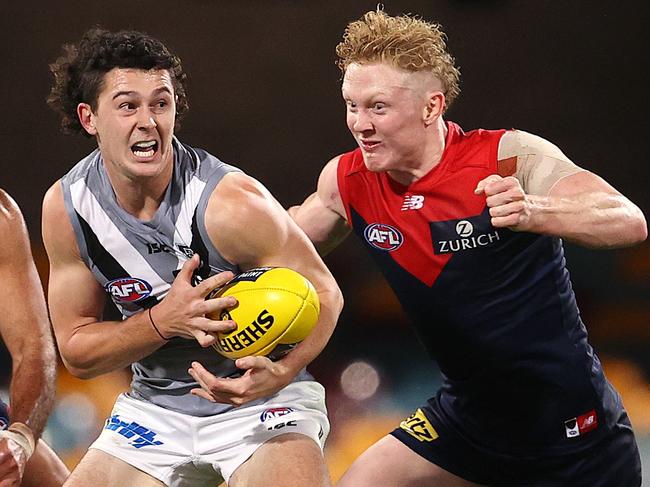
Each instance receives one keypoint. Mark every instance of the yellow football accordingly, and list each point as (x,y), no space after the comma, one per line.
(277,308)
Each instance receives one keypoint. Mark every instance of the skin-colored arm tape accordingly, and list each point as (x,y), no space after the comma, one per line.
(540,164)
(22,435)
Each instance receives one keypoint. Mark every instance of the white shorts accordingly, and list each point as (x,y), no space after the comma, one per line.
(182,450)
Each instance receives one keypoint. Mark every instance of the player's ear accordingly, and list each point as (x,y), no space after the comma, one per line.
(86,118)
(434,107)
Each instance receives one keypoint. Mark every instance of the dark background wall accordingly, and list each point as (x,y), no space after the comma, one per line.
(264,90)
(265,95)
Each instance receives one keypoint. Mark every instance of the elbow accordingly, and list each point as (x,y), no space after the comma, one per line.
(337,299)
(630,230)
(331,298)
(641,230)
(77,364)
(79,372)
(637,229)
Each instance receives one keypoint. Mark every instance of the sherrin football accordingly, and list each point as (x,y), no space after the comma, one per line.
(277,308)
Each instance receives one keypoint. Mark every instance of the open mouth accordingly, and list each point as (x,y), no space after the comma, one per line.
(145,149)
(368,144)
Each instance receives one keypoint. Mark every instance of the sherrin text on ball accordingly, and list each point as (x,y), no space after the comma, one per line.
(277,309)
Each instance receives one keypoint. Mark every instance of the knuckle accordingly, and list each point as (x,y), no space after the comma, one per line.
(201,308)
(204,287)
(197,307)
(225,302)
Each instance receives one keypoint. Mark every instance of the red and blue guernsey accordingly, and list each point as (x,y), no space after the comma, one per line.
(494,307)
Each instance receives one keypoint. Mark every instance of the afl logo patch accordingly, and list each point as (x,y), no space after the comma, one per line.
(128,289)
(274,413)
(383,237)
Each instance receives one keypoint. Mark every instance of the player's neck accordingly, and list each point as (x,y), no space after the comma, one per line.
(140,196)
(428,157)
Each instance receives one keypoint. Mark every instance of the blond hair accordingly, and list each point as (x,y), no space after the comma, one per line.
(404,41)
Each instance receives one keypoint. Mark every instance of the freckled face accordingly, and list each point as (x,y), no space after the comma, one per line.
(385,114)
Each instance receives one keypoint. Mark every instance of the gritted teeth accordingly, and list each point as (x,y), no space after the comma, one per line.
(145,149)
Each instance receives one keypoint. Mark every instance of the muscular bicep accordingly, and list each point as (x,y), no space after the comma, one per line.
(75,297)
(535,162)
(583,182)
(251,229)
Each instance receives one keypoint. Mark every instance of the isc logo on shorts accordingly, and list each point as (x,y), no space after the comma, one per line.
(128,289)
(418,426)
(383,237)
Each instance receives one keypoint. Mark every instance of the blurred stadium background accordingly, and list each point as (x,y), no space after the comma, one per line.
(264,95)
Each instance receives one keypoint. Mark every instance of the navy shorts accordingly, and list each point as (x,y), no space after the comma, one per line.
(611,462)
(4,416)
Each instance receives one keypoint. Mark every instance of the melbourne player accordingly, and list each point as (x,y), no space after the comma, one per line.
(155,225)
(466,227)
(24,458)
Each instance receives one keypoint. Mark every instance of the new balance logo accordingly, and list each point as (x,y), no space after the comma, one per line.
(413,202)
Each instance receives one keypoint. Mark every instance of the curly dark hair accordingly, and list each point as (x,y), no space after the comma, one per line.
(79,73)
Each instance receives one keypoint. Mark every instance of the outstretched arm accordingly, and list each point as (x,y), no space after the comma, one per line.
(250,228)
(25,329)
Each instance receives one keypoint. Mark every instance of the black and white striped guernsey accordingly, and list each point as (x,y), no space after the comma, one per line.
(136,262)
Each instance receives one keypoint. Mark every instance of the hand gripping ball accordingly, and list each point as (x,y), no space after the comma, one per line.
(277,308)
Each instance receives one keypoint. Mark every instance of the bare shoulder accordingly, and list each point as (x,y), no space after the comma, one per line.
(53,203)
(244,221)
(328,187)
(238,206)
(54,213)
(331,167)
(237,199)
(329,175)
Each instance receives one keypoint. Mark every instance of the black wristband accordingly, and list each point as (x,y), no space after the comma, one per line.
(154,325)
